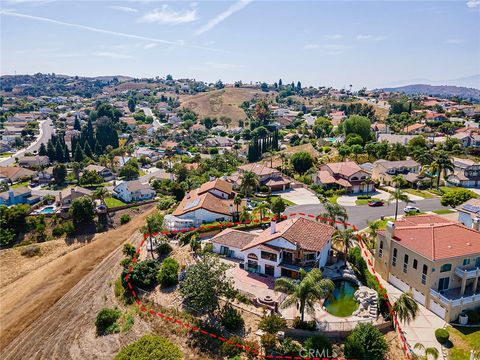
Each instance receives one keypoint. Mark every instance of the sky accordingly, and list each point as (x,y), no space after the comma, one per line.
(320,43)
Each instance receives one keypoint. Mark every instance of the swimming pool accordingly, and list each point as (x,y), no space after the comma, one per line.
(47,210)
(342,302)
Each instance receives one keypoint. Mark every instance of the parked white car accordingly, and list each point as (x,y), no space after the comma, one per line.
(411,209)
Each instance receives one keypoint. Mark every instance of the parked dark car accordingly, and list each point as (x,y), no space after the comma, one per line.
(376,203)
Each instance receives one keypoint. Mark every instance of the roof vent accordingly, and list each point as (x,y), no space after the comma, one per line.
(449,246)
(469,244)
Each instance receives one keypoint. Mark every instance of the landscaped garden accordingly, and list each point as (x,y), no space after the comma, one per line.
(112,202)
(463,339)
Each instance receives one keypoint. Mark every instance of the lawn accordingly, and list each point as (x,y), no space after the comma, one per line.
(365,201)
(112,202)
(333,199)
(443,211)
(20,184)
(463,340)
(422,193)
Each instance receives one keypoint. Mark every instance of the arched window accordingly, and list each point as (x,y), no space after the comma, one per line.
(446,267)
(252,256)
(354,178)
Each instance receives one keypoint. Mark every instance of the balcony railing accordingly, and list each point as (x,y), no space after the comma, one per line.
(471,273)
(455,301)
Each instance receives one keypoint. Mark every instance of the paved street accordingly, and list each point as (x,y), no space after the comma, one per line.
(361,215)
(46,131)
(148,112)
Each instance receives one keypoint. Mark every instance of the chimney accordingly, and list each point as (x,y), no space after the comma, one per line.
(390,230)
(476,224)
(273,227)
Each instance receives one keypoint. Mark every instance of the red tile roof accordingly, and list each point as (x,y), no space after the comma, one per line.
(218,184)
(346,168)
(233,238)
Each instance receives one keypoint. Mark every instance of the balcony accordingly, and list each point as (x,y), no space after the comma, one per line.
(454,297)
(471,273)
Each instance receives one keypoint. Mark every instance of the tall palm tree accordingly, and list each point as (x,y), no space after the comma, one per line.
(245,216)
(336,213)
(373,227)
(311,288)
(262,209)
(398,195)
(249,182)
(101,193)
(398,180)
(406,307)
(237,201)
(342,239)
(152,226)
(427,353)
(443,163)
(283,158)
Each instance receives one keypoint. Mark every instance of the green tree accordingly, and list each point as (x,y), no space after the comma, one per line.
(90,178)
(344,151)
(301,162)
(272,324)
(204,283)
(150,347)
(343,239)
(78,154)
(168,273)
(278,207)
(106,321)
(456,197)
(356,150)
(129,172)
(335,213)
(359,125)
(320,344)
(106,133)
(365,342)
(43,150)
(406,308)
(261,209)
(59,173)
(131,105)
(443,164)
(312,288)
(249,184)
(398,195)
(82,210)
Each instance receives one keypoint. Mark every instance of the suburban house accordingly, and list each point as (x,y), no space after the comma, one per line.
(44,176)
(20,195)
(33,161)
(415,129)
(213,201)
(13,174)
(469,214)
(466,173)
(436,259)
(66,196)
(151,154)
(134,190)
(103,171)
(394,138)
(384,170)
(281,250)
(218,141)
(272,178)
(347,175)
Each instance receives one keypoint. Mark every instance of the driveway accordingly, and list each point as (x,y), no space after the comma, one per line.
(299,196)
(349,200)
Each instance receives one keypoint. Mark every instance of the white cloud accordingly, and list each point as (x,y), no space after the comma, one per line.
(235,7)
(165,15)
(333,36)
(454,41)
(311,46)
(150,46)
(370,37)
(222,66)
(112,55)
(124,9)
(473,3)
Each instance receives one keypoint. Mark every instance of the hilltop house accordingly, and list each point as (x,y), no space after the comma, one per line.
(213,201)
(65,197)
(436,259)
(135,190)
(347,175)
(384,170)
(281,250)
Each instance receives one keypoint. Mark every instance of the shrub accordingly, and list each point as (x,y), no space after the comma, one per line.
(272,324)
(58,231)
(150,347)
(69,228)
(31,251)
(168,273)
(365,342)
(229,349)
(165,202)
(243,298)
(364,197)
(473,316)
(144,274)
(320,344)
(269,342)
(289,348)
(163,248)
(304,325)
(442,335)
(125,218)
(106,322)
(232,319)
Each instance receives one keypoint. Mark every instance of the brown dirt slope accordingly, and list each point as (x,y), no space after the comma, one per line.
(224,102)
(37,320)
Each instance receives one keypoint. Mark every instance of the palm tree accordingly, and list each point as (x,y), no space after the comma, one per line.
(245,216)
(373,227)
(101,193)
(283,157)
(152,226)
(342,238)
(237,201)
(336,213)
(443,163)
(406,307)
(262,209)
(398,180)
(249,182)
(398,195)
(311,288)
(427,352)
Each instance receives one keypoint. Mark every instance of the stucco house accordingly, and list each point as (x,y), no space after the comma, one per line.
(469,214)
(134,190)
(383,171)
(466,173)
(272,178)
(20,195)
(281,250)
(436,259)
(347,175)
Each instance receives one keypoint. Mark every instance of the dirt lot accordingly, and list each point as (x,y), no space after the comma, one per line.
(36,295)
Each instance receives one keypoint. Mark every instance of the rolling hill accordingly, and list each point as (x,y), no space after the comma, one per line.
(445,91)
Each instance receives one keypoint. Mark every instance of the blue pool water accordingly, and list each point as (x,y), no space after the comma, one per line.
(47,210)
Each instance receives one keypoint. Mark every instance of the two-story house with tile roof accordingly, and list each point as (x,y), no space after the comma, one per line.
(347,175)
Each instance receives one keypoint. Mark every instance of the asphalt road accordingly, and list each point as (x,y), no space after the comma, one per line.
(361,215)
(46,131)
(148,112)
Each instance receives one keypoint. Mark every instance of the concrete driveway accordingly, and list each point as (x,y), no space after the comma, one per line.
(299,196)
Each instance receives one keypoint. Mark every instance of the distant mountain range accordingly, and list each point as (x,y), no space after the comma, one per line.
(472,81)
(444,91)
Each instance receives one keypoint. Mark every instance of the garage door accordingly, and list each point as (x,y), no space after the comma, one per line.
(437,309)
(398,283)
(418,296)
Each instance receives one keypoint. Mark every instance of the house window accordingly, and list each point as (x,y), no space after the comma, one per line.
(405,263)
(380,249)
(394,258)
(466,262)
(224,250)
(268,256)
(446,267)
(415,263)
(443,283)
(309,257)
(424,274)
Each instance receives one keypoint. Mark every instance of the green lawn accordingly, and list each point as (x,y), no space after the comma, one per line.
(112,202)
(20,184)
(365,201)
(443,211)
(422,193)
(463,340)
(333,199)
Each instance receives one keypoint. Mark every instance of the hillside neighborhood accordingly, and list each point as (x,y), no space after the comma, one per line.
(305,222)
